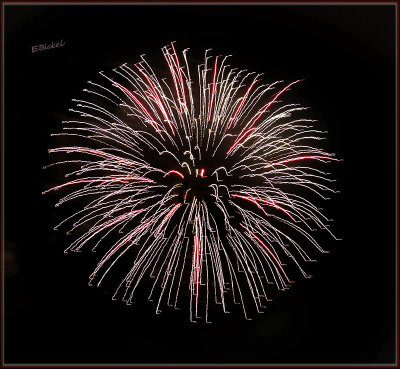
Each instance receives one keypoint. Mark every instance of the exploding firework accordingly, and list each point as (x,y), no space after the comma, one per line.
(200,183)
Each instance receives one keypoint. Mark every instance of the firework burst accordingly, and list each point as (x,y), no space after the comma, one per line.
(201,180)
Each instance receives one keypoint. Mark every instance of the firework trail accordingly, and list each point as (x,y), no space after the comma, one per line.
(200,180)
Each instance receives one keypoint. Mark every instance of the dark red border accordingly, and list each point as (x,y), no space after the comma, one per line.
(177,3)
(208,2)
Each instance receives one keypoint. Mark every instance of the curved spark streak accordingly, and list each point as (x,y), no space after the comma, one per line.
(301,158)
(257,200)
(210,240)
(213,89)
(101,180)
(241,104)
(239,139)
(153,122)
(269,252)
(174,172)
(93,152)
(157,98)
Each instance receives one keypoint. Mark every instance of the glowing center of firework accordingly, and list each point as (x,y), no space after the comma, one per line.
(196,185)
(200,172)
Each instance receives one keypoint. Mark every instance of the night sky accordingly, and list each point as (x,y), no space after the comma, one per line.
(345,314)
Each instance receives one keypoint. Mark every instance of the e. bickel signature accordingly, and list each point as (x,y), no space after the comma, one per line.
(44,46)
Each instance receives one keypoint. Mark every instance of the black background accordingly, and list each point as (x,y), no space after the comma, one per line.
(343,315)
